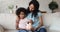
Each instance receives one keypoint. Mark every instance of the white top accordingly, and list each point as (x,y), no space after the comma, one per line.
(23,23)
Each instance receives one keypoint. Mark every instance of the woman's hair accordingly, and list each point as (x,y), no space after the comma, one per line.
(19,10)
(36,5)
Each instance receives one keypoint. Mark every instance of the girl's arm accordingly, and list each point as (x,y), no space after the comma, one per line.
(30,22)
(17,22)
(41,22)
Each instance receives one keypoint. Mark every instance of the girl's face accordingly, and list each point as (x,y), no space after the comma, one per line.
(22,15)
(31,7)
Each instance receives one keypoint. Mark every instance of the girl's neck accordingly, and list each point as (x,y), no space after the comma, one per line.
(22,18)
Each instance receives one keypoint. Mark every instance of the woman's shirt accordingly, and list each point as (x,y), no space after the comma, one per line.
(35,19)
(23,23)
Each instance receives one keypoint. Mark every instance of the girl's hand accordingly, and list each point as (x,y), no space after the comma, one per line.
(29,26)
(18,28)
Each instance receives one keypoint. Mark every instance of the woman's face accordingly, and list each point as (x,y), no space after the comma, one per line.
(31,7)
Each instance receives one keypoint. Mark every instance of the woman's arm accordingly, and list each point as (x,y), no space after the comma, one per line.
(40,23)
(17,22)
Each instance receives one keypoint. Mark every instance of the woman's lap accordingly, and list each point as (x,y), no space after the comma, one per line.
(41,30)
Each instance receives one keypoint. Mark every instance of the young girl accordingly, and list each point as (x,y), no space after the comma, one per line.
(22,23)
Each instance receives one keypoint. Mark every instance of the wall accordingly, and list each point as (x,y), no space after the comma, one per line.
(44,5)
(22,3)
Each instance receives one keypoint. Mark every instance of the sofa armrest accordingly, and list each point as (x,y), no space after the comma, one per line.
(1,29)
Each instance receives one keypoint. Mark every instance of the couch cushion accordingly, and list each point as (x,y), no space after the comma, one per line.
(8,20)
(55,25)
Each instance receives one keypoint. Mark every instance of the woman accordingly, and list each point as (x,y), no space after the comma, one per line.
(35,15)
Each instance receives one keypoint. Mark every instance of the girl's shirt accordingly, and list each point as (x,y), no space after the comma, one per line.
(34,19)
(23,23)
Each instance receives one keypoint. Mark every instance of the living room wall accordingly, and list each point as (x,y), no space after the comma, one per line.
(4,4)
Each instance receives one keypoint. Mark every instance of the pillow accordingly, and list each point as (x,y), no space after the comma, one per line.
(1,29)
(55,27)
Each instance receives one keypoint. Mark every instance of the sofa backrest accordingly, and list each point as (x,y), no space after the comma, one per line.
(50,18)
(8,21)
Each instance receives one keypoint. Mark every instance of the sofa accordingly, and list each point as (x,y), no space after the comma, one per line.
(51,22)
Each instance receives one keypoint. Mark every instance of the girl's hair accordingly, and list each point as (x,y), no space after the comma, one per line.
(19,10)
(36,5)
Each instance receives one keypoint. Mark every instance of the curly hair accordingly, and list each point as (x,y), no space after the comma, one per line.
(19,10)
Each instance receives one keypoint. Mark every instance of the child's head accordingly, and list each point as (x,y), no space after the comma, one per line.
(21,13)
